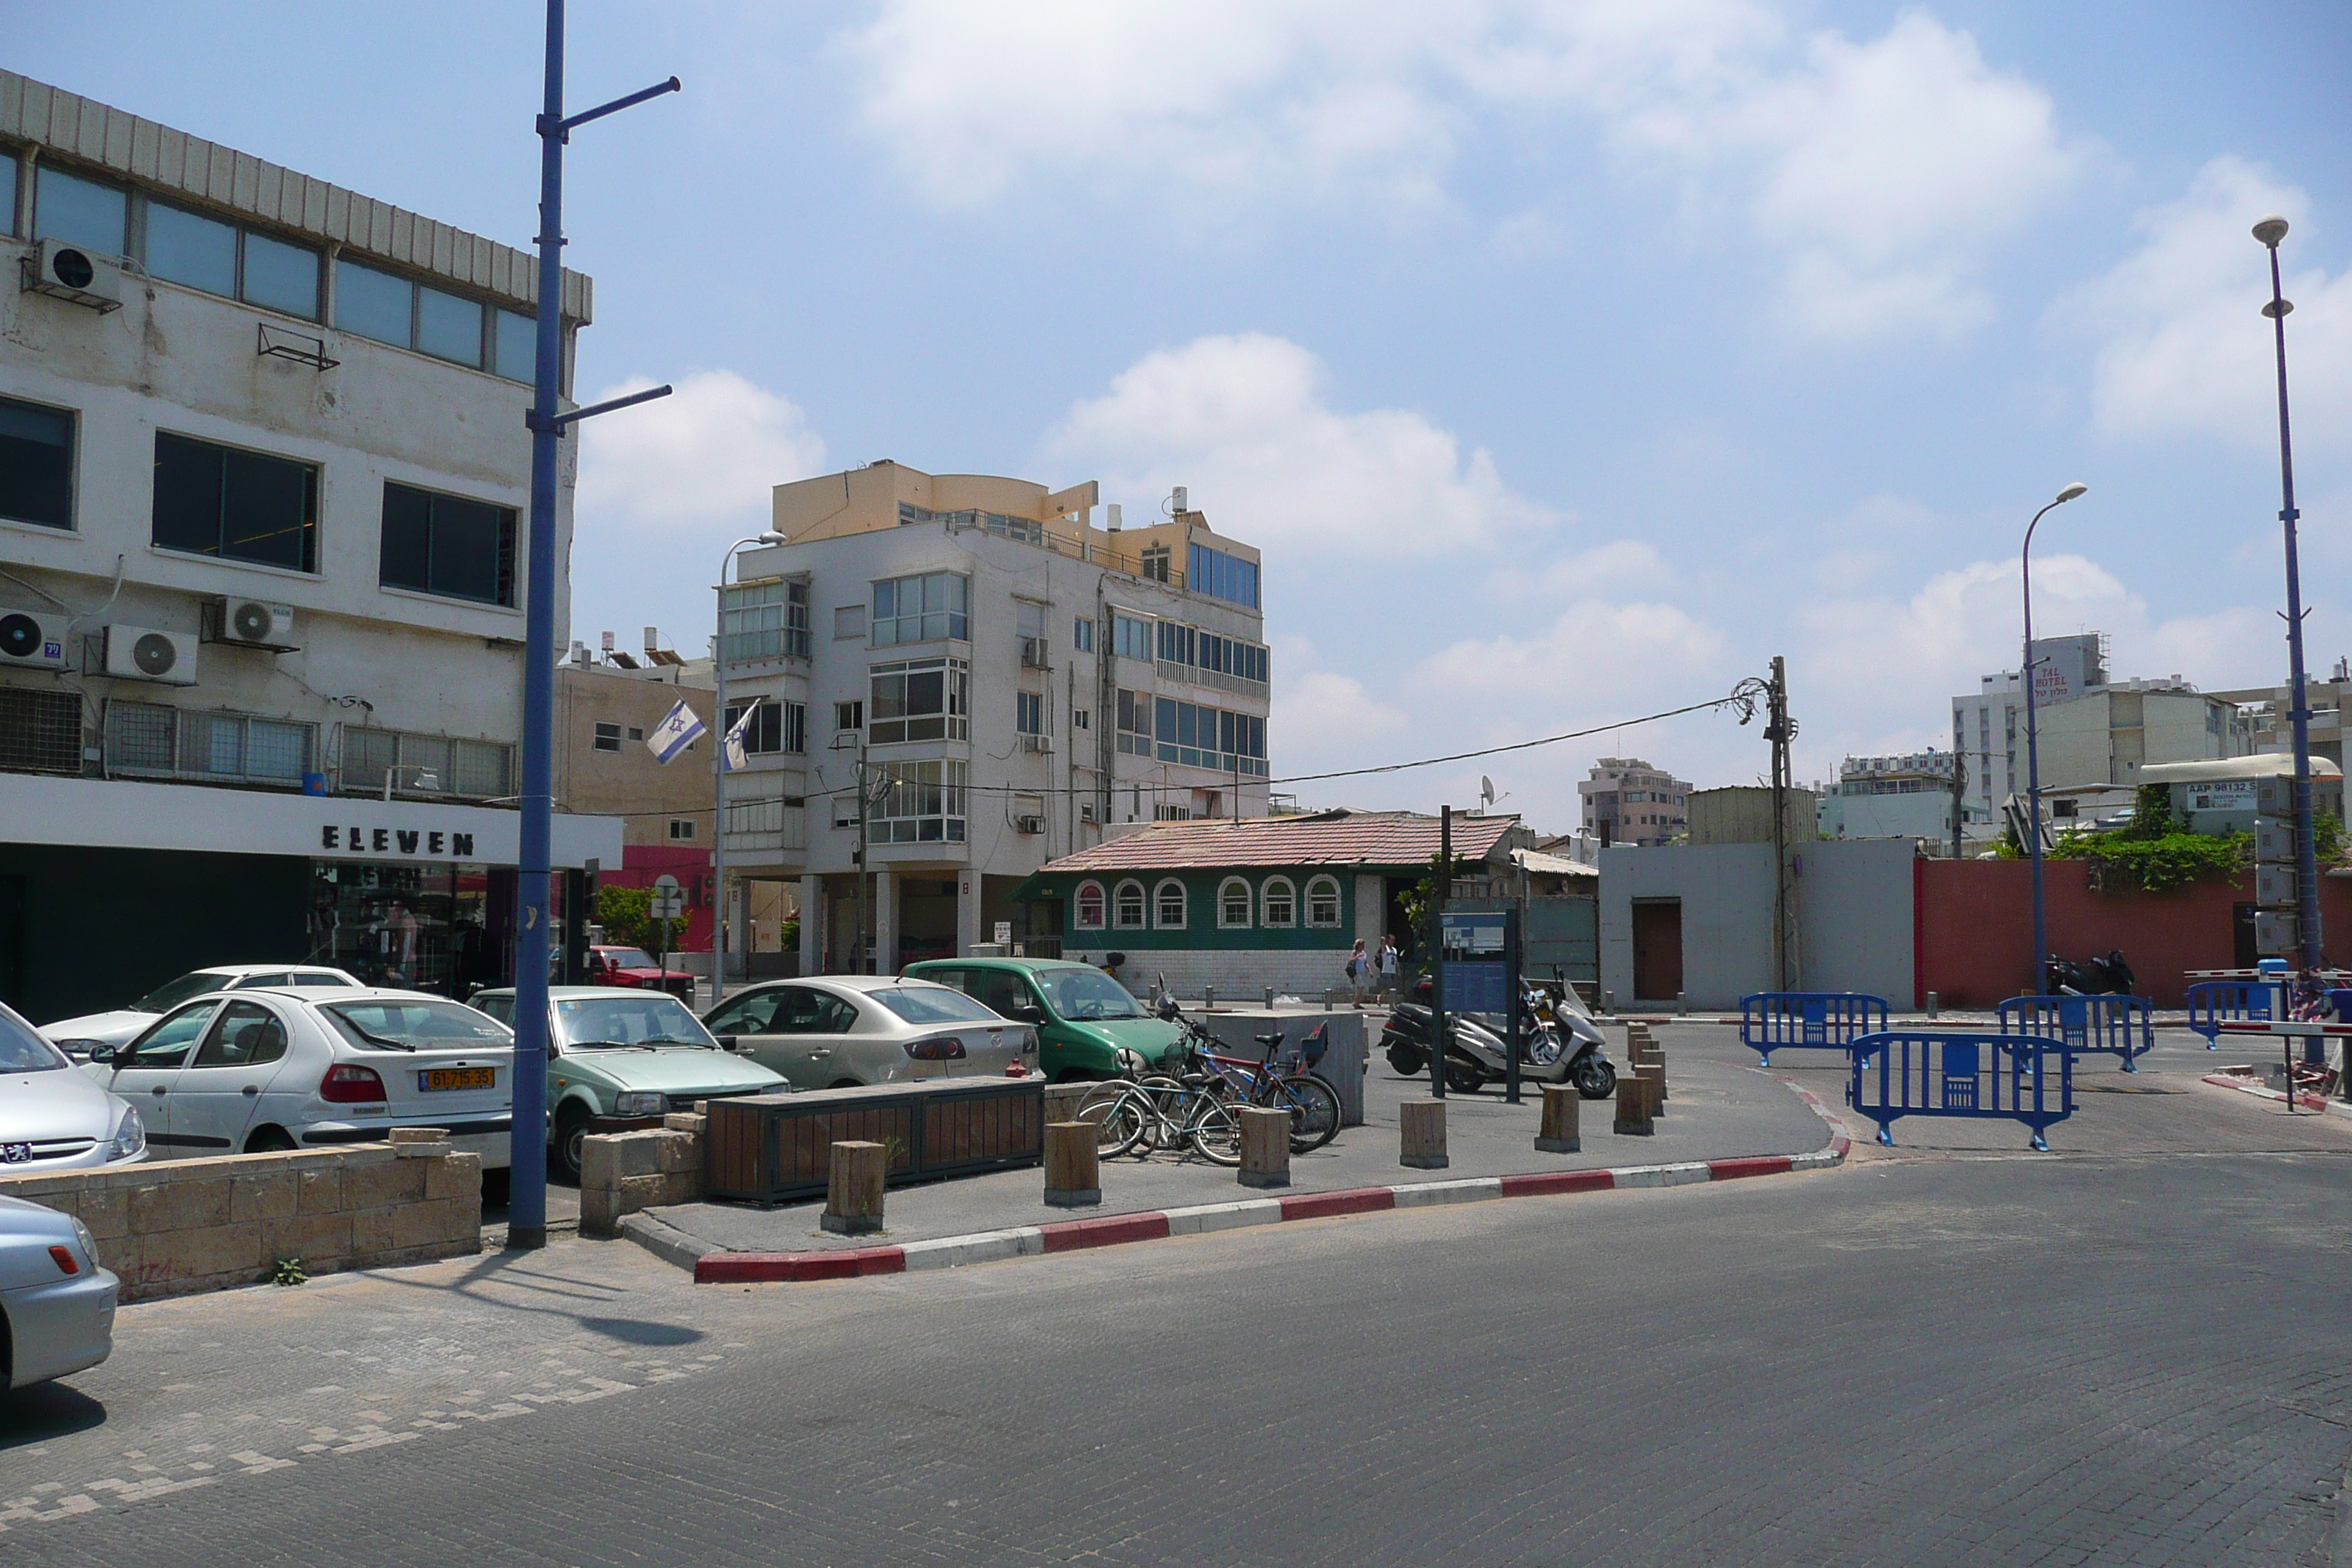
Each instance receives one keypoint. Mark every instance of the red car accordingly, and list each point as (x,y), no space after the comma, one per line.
(634,967)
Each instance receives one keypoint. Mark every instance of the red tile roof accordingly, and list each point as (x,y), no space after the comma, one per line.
(1321,838)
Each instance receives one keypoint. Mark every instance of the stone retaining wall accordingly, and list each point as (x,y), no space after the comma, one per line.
(622,1173)
(171,1228)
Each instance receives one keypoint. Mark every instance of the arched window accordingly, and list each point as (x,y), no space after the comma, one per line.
(1169,898)
(1130,906)
(1233,903)
(1281,901)
(1090,906)
(1323,902)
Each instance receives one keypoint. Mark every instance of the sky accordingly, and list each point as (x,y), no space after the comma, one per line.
(1568,359)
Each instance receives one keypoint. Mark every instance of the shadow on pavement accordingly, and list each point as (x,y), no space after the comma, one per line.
(44,1411)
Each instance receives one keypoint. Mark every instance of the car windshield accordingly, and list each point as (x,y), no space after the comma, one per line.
(628,958)
(933,1005)
(164,998)
(411,1025)
(22,1050)
(1085,993)
(629,1018)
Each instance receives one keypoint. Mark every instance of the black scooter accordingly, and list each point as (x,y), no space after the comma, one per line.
(1476,1055)
(2108,976)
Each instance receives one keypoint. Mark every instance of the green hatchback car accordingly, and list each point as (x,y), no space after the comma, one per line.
(1083,1016)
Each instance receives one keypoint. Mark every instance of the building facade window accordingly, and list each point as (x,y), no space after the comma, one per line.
(1082,719)
(147,739)
(235,505)
(1082,634)
(1156,559)
(1323,902)
(921,699)
(445,545)
(929,608)
(681,828)
(1167,905)
(848,716)
(37,452)
(1134,718)
(197,251)
(1130,638)
(848,621)
(479,770)
(1279,900)
(1223,576)
(1130,906)
(763,621)
(80,212)
(608,737)
(390,309)
(1088,911)
(924,805)
(1029,713)
(1175,643)
(1233,902)
(1198,737)
(775,727)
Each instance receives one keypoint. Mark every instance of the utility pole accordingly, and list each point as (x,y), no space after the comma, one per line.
(1779,730)
(526,1181)
(865,802)
(1439,1032)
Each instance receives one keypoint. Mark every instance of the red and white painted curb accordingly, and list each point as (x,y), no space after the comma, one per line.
(1113,1230)
(2245,1084)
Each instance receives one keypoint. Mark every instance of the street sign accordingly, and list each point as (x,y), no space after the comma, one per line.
(1005,933)
(668,898)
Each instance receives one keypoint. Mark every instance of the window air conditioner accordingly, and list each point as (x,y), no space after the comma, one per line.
(1037,743)
(143,653)
(1034,653)
(1029,825)
(28,638)
(254,623)
(74,274)
(1088,811)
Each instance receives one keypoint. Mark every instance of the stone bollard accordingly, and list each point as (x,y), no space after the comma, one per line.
(853,1198)
(1420,1124)
(1633,1107)
(1558,1134)
(1654,1074)
(1933,1009)
(1266,1146)
(1269,998)
(1072,1172)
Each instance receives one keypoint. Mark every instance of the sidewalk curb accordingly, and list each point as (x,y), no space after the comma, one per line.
(730,1267)
(2247,1086)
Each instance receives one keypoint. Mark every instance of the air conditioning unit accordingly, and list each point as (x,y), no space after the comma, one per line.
(1029,825)
(1034,653)
(73,273)
(254,623)
(28,638)
(1090,811)
(1037,743)
(143,653)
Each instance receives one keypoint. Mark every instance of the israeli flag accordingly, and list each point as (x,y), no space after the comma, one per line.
(737,758)
(679,728)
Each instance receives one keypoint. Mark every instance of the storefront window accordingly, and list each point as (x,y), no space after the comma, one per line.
(424,928)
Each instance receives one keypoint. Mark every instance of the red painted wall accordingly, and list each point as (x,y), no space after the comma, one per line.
(1975,927)
(644,864)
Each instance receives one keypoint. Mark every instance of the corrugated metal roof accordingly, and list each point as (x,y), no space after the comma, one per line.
(1544,864)
(1324,839)
(2261,765)
(82,130)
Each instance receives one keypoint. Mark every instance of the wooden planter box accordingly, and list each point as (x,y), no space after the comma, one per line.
(777,1148)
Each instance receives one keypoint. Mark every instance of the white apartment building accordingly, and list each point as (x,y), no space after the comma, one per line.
(263,484)
(1019,681)
(1906,796)
(1629,801)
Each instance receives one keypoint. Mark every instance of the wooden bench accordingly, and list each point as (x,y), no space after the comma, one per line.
(773,1149)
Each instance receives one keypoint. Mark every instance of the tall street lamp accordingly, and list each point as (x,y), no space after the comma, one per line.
(2033,751)
(719,931)
(2269,231)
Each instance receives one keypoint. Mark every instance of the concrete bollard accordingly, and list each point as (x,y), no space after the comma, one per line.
(1062,1100)
(1269,998)
(1633,1107)
(1932,1007)
(1654,1074)
(853,1196)
(1682,1003)
(1208,998)
(1421,1125)
(1558,1134)
(1266,1146)
(1072,1167)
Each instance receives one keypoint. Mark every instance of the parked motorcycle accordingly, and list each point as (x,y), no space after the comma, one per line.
(2108,976)
(1558,1043)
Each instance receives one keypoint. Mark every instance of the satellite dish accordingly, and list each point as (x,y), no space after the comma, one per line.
(1486,790)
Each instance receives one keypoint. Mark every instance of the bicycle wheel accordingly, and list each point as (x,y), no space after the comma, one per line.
(1117,1118)
(1215,1132)
(1314,1107)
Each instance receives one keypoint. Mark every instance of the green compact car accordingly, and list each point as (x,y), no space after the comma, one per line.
(1083,1016)
(617,1059)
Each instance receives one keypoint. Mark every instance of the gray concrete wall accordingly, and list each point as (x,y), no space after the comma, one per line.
(1726,898)
(1854,909)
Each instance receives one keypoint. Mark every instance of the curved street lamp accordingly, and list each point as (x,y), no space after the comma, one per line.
(719,931)
(2033,751)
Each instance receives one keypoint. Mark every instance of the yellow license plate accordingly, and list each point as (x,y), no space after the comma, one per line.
(458,1077)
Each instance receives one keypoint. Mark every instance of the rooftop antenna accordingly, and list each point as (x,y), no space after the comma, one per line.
(1485,792)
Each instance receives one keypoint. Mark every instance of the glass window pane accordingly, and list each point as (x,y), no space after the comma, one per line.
(465,549)
(517,346)
(184,248)
(7,194)
(448,327)
(281,276)
(36,464)
(405,550)
(266,509)
(371,303)
(79,212)
(187,490)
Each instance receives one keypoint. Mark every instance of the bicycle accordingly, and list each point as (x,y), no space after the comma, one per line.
(1312,1102)
(1158,1111)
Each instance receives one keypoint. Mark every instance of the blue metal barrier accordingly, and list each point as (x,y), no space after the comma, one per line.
(2125,1026)
(1825,1020)
(2008,1078)
(2213,1003)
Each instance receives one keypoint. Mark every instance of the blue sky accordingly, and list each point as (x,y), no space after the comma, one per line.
(1568,361)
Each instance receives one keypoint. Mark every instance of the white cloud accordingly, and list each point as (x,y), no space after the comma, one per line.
(705,456)
(1246,422)
(2186,351)
(1319,713)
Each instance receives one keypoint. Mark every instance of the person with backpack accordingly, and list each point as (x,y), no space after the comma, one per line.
(1359,966)
(1387,967)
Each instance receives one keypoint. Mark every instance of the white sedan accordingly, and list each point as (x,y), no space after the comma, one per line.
(51,1117)
(258,1071)
(56,1305)
(80,1037)
(841,1031)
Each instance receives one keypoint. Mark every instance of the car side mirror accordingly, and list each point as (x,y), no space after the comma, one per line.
(725,1042)
(1031,1014)
(102,1056)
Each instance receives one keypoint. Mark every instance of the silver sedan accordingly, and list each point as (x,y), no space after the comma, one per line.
(57,1304)
(52,1117)
(841,1031)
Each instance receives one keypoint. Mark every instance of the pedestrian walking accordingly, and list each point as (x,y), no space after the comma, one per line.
(1388,991)
(1360,964)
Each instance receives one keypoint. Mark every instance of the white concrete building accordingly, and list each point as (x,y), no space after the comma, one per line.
(263,484)
(1906,796)
(1029,682)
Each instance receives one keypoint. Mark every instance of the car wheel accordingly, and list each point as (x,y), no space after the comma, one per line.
(269,1140)
(571,1138)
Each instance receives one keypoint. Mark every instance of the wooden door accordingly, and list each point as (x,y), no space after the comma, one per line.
(1658,950)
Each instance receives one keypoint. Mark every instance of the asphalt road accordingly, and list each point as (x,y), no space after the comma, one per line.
(2138,1353)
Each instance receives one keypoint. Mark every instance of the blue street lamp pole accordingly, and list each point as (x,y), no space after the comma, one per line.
(526,1181)
(2269,231)
(2033,750)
